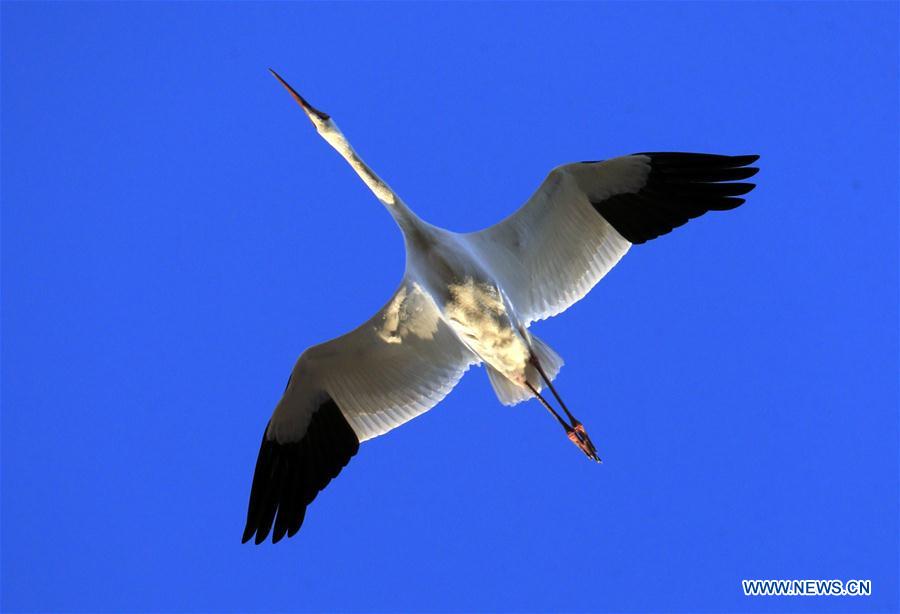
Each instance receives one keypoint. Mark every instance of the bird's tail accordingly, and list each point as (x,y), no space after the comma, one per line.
(510,393)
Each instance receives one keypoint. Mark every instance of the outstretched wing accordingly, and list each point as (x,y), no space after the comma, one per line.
(585,216)
(399,364)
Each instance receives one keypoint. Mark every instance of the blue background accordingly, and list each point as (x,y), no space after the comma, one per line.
(174,234)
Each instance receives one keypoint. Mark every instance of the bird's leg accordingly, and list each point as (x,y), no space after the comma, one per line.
(583,443)
(575,423)
(544,402)
(577,426)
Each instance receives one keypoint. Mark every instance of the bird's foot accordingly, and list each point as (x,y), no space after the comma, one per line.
(579,437)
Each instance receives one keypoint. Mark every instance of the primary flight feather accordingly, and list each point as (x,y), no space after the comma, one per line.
(468,299)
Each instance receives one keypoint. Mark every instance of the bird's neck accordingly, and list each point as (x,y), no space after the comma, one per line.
(402,214)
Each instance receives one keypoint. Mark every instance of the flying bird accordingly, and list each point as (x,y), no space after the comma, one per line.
(468,299)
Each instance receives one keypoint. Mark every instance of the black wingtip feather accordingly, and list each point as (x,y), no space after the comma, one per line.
(678,158)
(288,476)
(679,187)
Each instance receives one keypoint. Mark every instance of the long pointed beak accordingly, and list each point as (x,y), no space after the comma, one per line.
(310,110)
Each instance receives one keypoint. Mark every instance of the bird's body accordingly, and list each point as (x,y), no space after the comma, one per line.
(451,272)
(468,299)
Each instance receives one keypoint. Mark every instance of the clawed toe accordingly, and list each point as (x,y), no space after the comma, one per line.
(580,438)
(575,438)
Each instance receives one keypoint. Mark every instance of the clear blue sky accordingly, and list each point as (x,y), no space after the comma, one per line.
(174,234)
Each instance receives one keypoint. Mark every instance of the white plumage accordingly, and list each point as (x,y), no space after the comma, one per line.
(468,299)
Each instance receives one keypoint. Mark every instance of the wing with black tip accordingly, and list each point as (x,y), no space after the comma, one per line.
(396,366)
(585,216)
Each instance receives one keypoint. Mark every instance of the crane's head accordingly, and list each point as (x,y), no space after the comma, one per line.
(321,120)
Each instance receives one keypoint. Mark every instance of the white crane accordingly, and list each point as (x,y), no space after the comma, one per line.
(468,299)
